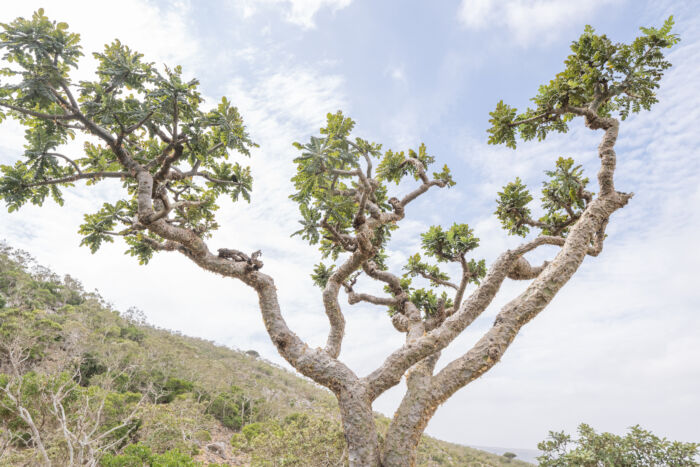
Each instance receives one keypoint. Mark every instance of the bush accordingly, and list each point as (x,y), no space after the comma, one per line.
(174,426)
(252,431)
(139,455)
(89,367)
(174,387)
(233,408)
(132,333)
(300,440)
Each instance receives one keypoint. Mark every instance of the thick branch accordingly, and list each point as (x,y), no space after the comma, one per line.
(393,368)
(534,299)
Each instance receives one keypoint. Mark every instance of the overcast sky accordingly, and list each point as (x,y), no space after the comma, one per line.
(618,346)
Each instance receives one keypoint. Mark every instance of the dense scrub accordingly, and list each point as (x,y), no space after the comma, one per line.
(82,383)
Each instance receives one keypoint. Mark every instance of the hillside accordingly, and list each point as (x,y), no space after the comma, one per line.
(83,384)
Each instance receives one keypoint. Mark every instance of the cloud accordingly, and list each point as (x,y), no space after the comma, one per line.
(160,33)
(299,12)
(397,73)
(527,21)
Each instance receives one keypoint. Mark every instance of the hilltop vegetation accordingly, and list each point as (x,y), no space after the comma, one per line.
(83,384)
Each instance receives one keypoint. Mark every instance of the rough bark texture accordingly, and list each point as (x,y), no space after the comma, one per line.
(358,424)
(410,418)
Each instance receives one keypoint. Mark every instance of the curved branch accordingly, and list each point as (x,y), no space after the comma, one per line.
(79,176)
(67,159)
(354,297)
(437,280)
(420,190)
(34,113)
(373,271)
(331,305)
(466,275)
(316,364)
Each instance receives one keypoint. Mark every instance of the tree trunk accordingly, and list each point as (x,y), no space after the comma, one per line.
(411,418)
(358,425)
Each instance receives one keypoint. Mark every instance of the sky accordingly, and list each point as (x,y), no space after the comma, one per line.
(618,346)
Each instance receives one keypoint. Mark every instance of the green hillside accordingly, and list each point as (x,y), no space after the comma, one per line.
(82,384)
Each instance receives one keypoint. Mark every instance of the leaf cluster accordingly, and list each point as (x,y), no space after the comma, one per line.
(451,244)
(564,197)
(512,207)
(606,77)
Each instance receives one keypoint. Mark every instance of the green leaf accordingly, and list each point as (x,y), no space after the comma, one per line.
(512,207)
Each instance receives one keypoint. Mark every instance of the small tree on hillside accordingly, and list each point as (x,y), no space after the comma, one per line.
(147,130)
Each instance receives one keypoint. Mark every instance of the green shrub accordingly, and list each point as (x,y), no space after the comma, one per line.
(175,387)
(233,408)
(139,455)
(90,366)
(300,440)
(252,431)
(172,426)
(239,442)
(133,333)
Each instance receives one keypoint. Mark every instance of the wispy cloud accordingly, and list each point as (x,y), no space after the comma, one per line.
(527,21)
(299,12)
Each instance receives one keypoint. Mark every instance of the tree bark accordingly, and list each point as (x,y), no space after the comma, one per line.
(358,425)
(410,419)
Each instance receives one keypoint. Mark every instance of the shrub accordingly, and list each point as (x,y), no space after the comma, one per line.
(132,333)
(174,387)
(139,455)
(233,408)
(300,440)
(253,430)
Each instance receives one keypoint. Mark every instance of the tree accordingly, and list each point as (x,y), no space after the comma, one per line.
(509,456)
(638,447)
(147,129)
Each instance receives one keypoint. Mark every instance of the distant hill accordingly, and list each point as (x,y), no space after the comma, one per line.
(527,455)
(85,384)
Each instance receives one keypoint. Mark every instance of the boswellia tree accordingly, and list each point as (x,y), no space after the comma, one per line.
(146,128)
